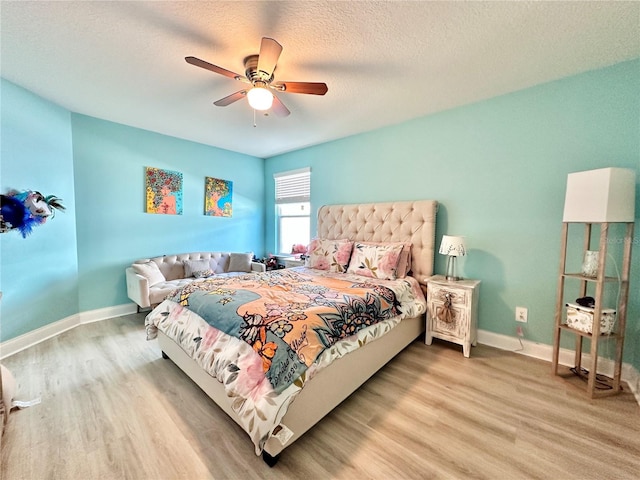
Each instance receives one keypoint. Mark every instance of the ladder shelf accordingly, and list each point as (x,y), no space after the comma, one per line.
(598,385)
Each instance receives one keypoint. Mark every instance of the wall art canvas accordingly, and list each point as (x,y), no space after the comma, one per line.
(164,191)
(217,197)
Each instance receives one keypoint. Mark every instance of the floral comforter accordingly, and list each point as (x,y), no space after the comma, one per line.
(263,336)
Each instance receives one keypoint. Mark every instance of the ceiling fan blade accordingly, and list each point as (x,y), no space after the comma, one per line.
(313,88)
(269,53)
(279,108)
(229,99)
(214,68)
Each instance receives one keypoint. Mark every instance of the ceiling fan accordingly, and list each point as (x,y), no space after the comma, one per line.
(259,75)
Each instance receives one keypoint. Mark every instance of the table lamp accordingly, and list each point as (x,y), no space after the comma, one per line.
(453,246)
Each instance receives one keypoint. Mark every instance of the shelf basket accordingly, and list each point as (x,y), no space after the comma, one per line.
(581,318)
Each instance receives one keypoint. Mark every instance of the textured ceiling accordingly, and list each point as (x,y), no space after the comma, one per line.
(384,62)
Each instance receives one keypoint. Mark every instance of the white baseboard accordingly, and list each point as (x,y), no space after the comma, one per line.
(41,334)
(566,357)
(503,342)
(108,312)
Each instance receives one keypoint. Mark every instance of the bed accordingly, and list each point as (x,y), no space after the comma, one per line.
(304,388)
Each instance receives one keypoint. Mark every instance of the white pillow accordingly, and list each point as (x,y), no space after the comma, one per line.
(192,266)
(240,262)
(150,271)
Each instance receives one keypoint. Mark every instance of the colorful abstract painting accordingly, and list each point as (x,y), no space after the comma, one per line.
(164,191)
(217,197)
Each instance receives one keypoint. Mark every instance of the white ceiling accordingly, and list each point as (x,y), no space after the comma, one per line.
(384,62)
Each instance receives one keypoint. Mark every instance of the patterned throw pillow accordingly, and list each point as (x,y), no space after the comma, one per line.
(404,263)
(203,273)
(331,255)
(375,261)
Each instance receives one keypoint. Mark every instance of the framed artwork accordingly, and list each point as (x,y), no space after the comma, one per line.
(163,191)
(217,197)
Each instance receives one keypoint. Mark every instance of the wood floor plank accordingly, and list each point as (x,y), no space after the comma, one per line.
(112,408)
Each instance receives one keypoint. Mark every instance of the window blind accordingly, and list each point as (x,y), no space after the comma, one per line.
(293,186)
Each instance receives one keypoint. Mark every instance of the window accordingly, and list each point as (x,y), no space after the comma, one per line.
(293,208)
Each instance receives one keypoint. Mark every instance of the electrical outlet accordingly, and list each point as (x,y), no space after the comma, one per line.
(521,314)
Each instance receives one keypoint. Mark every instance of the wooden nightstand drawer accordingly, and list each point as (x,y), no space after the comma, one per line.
(441,293)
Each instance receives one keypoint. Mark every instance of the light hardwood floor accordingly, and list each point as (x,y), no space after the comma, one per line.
(112,408)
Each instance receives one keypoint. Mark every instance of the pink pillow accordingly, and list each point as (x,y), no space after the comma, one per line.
(404,262)
(331,255)
(375,261)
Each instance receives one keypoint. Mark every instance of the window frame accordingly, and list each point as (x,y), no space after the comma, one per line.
(291,187)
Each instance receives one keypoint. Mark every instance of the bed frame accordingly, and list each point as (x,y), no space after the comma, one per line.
(378,222)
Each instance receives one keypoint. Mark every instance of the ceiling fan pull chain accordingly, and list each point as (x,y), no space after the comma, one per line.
(254,118)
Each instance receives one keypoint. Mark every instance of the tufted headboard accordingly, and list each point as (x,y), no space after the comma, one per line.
(413,222)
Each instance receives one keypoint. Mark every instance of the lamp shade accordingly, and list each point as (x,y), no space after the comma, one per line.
(602,195)
(453,246)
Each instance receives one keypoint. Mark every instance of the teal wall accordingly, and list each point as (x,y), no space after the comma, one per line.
(75,263)
(113,230)
(497,167)
(38,275)
(499,170)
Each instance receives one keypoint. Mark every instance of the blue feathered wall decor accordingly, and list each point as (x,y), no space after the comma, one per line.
(24,210)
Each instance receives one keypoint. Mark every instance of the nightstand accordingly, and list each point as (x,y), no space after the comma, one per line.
(293,262)
(452,311)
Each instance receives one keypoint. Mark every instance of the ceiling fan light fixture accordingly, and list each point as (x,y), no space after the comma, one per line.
(259,71)
(259,97)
